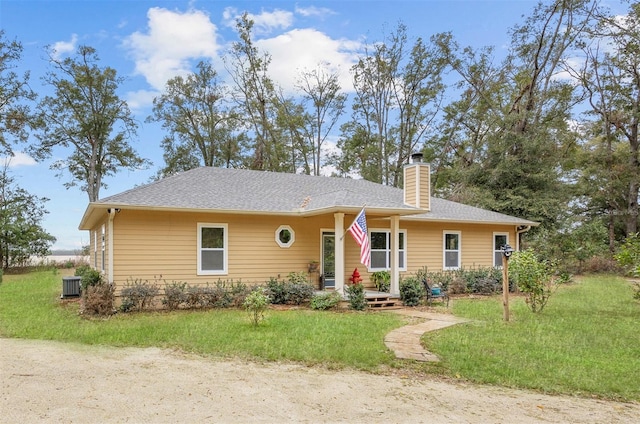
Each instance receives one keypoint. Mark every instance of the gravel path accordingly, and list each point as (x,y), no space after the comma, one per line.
(53,382)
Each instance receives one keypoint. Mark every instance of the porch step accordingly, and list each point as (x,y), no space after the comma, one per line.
(383,302)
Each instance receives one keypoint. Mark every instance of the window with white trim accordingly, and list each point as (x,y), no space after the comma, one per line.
(95,249)
(104,244)
(381,249)
(285,236)
(212,249)
(499,240)
(451,250)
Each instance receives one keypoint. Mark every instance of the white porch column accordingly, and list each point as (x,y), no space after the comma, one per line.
(339,252)
(395,255)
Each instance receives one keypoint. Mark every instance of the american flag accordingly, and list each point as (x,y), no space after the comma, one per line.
(359,232)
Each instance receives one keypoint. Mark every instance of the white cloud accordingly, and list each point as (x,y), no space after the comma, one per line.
(171,41)
(18,159)
(320,12)
(263,23)
(61,47)
(140,99)
(304,49)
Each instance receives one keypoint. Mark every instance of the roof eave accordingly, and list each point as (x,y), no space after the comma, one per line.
(89,218)
(473,221)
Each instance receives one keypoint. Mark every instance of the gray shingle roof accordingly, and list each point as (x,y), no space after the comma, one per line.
(247,191)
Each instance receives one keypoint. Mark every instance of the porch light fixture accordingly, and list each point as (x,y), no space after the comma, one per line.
(507,251)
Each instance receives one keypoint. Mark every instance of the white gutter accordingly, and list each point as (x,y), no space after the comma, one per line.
(520,231)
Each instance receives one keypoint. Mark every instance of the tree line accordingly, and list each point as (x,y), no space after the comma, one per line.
(548,133)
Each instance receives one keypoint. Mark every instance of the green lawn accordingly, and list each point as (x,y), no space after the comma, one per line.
(30,307)
(585,342)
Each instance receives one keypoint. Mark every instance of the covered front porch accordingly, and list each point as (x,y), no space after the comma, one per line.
(337,263)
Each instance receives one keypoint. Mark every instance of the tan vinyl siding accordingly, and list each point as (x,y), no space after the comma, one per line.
(417,185)
(425,186)
(425,244)
(161,247)
(410,186)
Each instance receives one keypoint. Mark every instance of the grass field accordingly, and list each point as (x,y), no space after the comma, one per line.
(584,343)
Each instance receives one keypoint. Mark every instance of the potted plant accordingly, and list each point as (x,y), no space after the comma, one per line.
(313,266)
(382,280)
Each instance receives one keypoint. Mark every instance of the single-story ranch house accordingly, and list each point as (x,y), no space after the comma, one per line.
(211,224)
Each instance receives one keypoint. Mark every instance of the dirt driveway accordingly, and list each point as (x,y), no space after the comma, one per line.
(64,383)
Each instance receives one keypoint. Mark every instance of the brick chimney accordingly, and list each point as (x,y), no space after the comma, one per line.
(417,183)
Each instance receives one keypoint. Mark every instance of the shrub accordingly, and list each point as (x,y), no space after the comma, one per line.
(256,303)
(239,292)
(629,255)
(411,291)
(138,296)
(564,277)
(88,276)
(324,301)
(277,291)
(214,296)
(298,293)
(636,291)
(382,280)
(357,299)
(295,290)
(174,295)
(98,299)
(533,278)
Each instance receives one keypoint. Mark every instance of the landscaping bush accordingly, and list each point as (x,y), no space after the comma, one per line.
(298,293)
(256,303)
(533,278)
(480,280)
(357,299)
(295,290)
(174,295)
(138,296)
(412,291)
(324,301)
(214,296)
(277,290)
(629,255)
(239,292)
(88,276)
(98,299)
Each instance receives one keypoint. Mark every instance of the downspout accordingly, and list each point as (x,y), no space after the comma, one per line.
(112,214)
(520,229)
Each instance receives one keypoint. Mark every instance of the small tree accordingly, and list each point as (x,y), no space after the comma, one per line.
(533,278)
(256,303)
(629,254)
(357,298)
(21,233)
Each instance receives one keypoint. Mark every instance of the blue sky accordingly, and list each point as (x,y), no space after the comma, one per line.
(148,42)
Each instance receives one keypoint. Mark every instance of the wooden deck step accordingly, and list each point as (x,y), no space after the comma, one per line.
(383,302)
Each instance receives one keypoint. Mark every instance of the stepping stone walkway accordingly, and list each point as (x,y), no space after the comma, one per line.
(405,341)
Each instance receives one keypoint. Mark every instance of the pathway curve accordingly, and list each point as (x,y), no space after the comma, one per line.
(405,341)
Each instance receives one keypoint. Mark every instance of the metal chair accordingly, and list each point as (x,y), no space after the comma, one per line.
(437,293)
